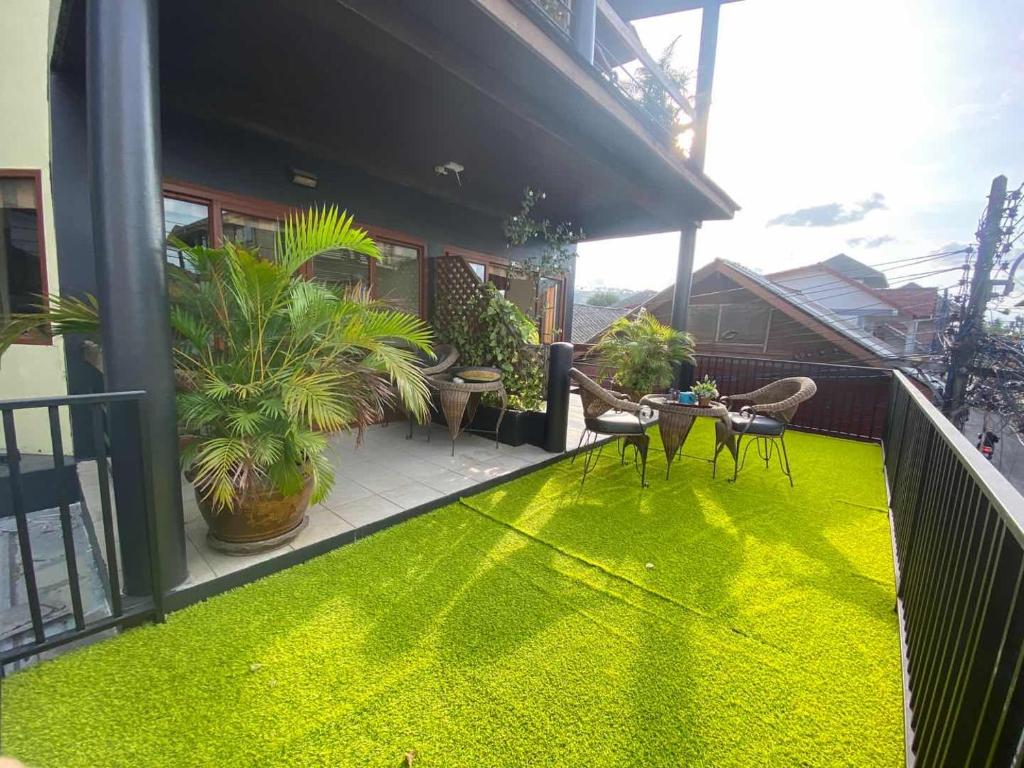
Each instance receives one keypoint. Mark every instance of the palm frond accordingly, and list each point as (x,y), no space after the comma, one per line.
(54,315)
(317,231)
(218,462)
(265,361)
(313,399)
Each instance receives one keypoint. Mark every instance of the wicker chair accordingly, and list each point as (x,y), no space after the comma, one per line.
(612,414)
(444,357)
(771,409)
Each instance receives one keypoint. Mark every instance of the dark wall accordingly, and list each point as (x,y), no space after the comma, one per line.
(242,162)
(230,159)
(73,226)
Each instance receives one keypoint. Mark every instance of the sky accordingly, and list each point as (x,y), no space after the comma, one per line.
(872,128)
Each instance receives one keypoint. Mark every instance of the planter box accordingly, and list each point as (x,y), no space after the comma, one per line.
(517,428)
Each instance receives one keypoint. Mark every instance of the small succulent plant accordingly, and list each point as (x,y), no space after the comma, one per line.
(705,389)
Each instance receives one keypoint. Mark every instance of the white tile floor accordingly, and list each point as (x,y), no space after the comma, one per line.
(377,480)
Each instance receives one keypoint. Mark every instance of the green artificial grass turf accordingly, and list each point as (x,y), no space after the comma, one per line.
(524,627)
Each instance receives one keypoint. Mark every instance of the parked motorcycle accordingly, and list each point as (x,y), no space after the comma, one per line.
(987,443)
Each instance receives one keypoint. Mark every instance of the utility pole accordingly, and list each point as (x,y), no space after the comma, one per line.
(966,344)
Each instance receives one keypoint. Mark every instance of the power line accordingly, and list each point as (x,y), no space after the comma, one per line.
(851,282)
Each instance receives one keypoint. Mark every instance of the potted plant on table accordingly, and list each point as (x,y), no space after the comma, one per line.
(639,353)
(705,390)
(267,363)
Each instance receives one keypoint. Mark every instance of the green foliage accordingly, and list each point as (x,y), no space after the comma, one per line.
(54,316)
(602,298)
(266,361)
(638,353)
(706,387)
(650,94)
(554,244)
(559,11)
(496,333)
(521,627)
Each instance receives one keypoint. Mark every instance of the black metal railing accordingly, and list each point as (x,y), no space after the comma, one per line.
(657,98)
(958,530)
(558,13)
(619,57)
(114,608)
(851,401)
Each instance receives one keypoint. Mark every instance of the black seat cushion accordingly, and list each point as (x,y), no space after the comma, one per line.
(613,423)
(763,425)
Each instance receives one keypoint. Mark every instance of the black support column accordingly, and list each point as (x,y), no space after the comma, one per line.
(681,294)
(698,152)
(127,210)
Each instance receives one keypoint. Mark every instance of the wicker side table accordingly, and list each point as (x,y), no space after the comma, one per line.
(676,420)
(459,401)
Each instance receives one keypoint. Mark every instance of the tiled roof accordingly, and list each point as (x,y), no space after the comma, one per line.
(635,299)
(588,321)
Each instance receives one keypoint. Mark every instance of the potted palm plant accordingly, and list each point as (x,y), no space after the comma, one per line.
(639,353)
(266,364)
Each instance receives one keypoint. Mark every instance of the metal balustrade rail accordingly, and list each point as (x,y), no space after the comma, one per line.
(125,409)
(617,53)
(958,531)
(851,401)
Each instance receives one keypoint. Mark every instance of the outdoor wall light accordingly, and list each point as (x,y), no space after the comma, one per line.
(304,178)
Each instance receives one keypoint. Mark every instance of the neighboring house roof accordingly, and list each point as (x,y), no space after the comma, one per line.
(911,299)
(635,299)
(588,322)
(808,312)
(850,267)
(631,10)
(860,344)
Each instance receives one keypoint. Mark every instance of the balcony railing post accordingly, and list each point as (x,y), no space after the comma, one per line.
(583,27)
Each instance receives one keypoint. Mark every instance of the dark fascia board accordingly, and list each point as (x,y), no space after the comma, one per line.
(643,9)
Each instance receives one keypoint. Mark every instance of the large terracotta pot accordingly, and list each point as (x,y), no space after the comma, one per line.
(263,520)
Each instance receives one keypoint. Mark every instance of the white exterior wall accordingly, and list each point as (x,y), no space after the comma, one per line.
(841,297)
(30,370)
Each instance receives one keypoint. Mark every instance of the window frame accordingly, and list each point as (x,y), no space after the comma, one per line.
(219,201)
(36,176)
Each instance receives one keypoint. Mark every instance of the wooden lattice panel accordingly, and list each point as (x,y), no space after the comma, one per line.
(458,291)
(460,297)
